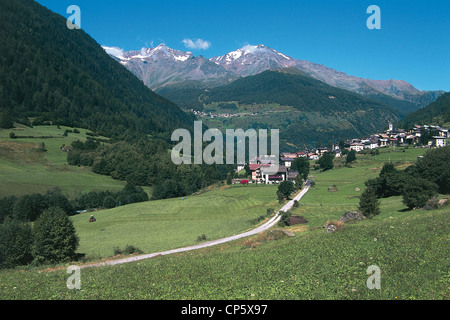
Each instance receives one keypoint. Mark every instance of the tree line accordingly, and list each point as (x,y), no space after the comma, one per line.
(29,207)
(50,239)
(146,162)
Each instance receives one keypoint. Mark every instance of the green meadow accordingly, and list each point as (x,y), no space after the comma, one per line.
(411,251)
(159,225)
(410,248)
(24,169)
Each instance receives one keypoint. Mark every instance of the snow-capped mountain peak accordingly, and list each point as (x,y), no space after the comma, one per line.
(252,59)
(161,66)
(160,52)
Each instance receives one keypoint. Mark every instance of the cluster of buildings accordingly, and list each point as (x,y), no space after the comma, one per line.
(220,115)
(262,168)
(426,135)
(266,169)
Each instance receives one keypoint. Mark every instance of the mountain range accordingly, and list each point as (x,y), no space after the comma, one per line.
(163,67)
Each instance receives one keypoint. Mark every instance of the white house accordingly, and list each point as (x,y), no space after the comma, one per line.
(287,162)
(439,141)
(444,133)
(240,166)
(273,174)
(357,147)
(383,142)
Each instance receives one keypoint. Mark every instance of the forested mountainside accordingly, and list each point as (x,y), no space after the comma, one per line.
(51,72)
(437,112)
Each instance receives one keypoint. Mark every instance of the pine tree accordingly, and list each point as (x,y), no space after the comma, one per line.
(369,205)
(55,238)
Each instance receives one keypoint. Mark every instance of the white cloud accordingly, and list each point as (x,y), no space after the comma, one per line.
(249,48)
(197,44)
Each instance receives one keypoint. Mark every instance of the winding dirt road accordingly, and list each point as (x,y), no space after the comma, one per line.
(211,243)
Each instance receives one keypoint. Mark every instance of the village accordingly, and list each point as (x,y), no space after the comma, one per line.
(212,115)
(262,168)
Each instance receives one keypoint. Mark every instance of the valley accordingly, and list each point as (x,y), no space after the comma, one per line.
(304,109)
(100,201)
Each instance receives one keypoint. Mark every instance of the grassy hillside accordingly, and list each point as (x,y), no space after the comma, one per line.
(409,247)
(320,205)
(24,169)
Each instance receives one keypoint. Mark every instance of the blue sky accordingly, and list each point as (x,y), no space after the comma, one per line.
(413,43)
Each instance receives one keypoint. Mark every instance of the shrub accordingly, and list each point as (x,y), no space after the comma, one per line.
(266,236)
(417,192)
(284,220)
(117,251)
(201,238)
(41,147)
(130,249)
(431,204)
